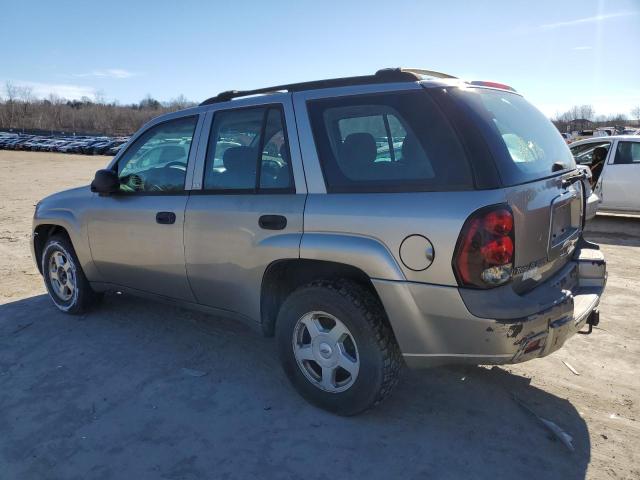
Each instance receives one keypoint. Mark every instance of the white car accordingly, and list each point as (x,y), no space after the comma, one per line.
(616,178)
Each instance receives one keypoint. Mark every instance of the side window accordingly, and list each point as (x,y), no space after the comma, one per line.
(275,168)
(365,123)
(244,142)
(387,142)
(627,152)
(584,154)
(157,160)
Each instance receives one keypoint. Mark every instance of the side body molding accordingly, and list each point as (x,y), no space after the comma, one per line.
(365,253)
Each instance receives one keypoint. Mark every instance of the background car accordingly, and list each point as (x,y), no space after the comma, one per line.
(616,178)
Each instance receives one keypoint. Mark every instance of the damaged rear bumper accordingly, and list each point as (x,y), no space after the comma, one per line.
(434,325)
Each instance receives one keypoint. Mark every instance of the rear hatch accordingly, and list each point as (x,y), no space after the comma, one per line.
(543,187)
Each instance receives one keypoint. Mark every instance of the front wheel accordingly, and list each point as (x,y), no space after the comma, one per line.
(66,284)
(336,346)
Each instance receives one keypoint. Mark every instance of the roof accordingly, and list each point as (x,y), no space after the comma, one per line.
(386,75)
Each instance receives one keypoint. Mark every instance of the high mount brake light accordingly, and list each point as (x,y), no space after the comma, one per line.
(501,86)
(485,249)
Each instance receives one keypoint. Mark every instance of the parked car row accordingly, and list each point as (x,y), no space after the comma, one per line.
(87,145)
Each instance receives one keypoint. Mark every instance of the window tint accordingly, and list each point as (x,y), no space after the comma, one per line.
(387,142)
(240,141)
(529,143)
(157,160)
(627,152)
(275,170)
(583,154)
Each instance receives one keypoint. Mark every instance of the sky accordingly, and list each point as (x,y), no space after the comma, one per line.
(556,53)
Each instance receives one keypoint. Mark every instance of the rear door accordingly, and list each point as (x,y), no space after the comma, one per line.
(245,209)
(621,178)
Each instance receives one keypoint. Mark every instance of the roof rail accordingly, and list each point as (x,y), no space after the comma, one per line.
(385,75)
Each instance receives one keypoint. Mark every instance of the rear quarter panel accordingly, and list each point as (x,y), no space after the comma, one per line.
(388,218)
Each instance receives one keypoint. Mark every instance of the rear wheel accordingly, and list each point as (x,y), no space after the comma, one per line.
(336,346)
(66,284)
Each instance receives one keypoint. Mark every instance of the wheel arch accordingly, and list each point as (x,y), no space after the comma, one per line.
(42,233)
(282,277)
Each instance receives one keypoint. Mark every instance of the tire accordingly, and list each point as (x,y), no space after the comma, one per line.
(69,289)
(367,341)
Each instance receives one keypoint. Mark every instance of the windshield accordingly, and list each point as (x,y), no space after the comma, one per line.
(529,146)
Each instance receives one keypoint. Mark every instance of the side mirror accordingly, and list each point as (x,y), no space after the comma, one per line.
(105,182)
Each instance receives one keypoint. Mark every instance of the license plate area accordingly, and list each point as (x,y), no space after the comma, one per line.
(566,221)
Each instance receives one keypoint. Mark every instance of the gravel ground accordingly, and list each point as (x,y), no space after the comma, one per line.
(142,390)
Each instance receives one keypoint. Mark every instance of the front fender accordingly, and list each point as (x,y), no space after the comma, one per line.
(364,253)
(52,212)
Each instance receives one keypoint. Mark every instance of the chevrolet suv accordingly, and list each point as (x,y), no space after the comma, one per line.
(405,217)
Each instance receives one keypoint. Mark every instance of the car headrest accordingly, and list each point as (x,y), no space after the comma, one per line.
(239,159)
(359,149)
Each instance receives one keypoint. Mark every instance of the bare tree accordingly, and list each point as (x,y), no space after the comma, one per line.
(149,103)
(20,109)
(586,112)
(99,97)
(12,95)
(635,113)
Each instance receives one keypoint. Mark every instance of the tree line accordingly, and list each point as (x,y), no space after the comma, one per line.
(585,116)
(21,109)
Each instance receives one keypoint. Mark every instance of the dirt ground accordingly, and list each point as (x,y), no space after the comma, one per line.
(141,390)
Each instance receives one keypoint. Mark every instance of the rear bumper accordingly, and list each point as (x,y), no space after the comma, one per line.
(434,325)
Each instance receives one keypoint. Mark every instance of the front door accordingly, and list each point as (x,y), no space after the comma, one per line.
(621,178)
(136,234)
(247,213)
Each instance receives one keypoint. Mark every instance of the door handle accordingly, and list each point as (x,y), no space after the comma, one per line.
(272,222)
(165,218)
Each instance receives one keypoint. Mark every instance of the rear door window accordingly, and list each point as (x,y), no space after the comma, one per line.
(387,142)
(626,153)
(248,151)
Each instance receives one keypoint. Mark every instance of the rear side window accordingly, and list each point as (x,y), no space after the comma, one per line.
(387,142)
(627,152)
(527,143)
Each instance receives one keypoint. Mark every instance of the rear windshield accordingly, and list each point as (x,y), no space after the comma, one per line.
(398,141)
(526,144)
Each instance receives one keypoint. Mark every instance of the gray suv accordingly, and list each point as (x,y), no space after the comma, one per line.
(366,222)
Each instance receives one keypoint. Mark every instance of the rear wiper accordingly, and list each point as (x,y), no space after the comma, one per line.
(557,166)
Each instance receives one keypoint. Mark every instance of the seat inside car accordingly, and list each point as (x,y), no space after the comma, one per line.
(358,155)
(240,169)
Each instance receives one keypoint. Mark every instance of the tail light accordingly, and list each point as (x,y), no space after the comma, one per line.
(484,253)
